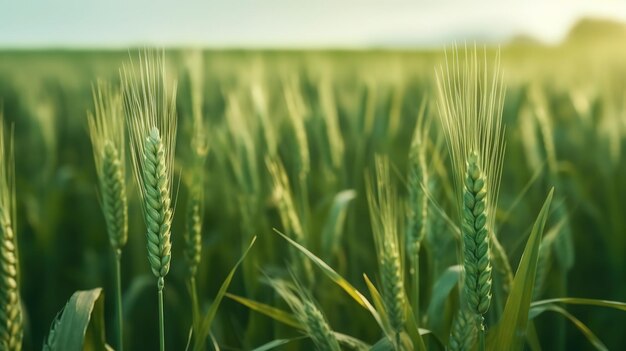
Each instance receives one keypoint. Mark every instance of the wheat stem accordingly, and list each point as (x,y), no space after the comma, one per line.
(417,207)
(193,292)
(481,335)
(192,236)
(415,294)
(118,299)
(161,285)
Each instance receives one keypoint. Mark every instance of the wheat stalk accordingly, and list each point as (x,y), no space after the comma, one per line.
(470,105)
(193,242)
(106,130)
(417,209)
(288,213)
(417,203)
(199,148)
(331,118)
(385,215)
(11,329)
(151,118)
(297,112)
(297,117)
(285,200)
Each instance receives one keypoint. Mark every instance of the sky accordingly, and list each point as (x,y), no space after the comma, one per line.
(288,23)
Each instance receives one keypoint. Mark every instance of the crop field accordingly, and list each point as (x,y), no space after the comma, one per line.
(465,198)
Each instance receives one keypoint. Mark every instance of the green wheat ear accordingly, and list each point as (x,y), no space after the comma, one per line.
(463,333)
(477,261)
(11,328)
(157,204)
(199,148)
(193,232)
(470,107)
(151,117)
(114,196)
(11,312)
(386,215)
(107,133)
(306,312)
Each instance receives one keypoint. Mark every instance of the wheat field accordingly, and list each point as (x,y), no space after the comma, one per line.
(464,198)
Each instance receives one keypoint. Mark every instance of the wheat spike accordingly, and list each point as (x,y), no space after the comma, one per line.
(193,232)
(114,196)
(470,106)
(11,329)
(463,333)
(157,203)
(10,312)
(285,200)
(288,213)
(477,261)
(417,209)
(106,130)
(151,119)
(199,148)
(307,312)
(385,216)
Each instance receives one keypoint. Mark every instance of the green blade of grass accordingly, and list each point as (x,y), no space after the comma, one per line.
(81,324)
(532,339)
(382,345)
(270,311)
(414,331)
(288,319)
(276,343)
(510,332)
(380,306)
(440,292)
(579,301)
(593,339)
(205,325)
(336,278)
